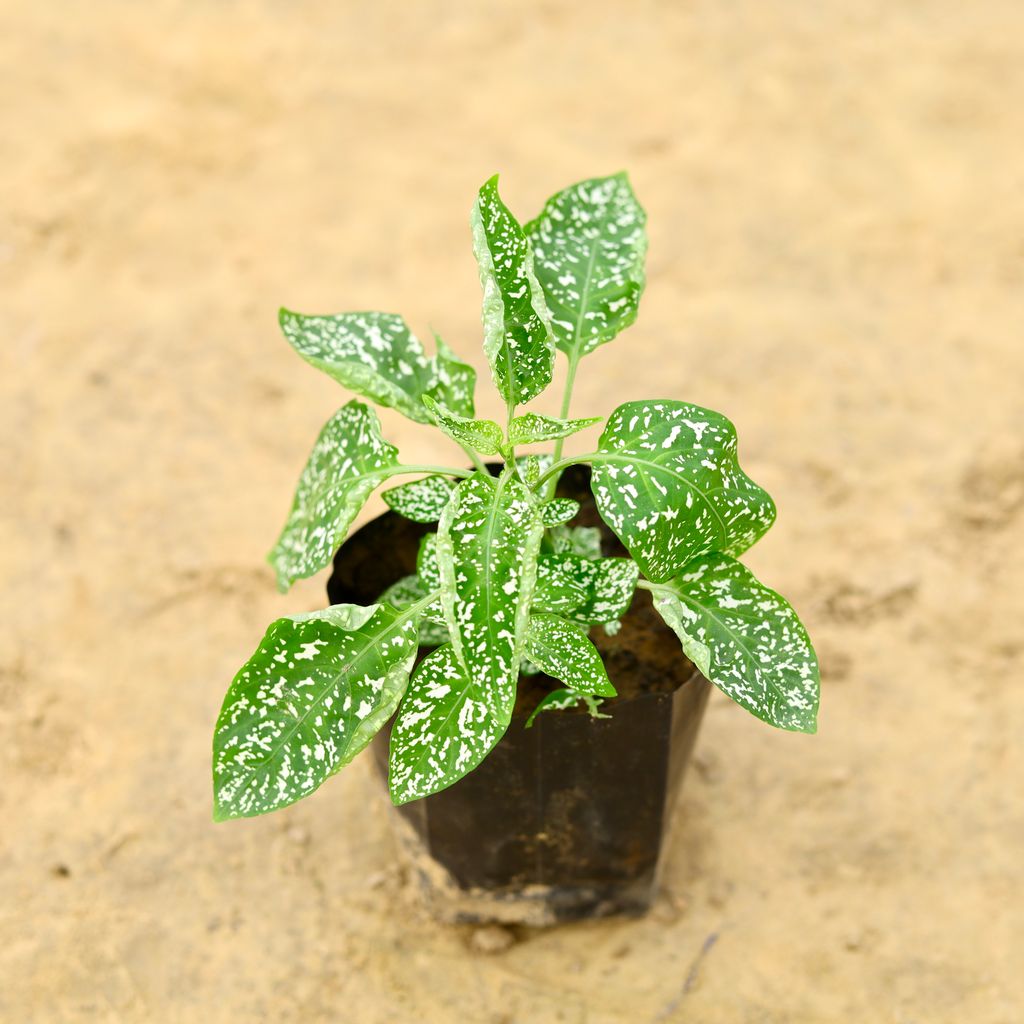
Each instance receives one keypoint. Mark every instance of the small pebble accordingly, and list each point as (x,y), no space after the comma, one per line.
(491,939)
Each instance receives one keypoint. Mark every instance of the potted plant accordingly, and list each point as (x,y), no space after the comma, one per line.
(489,634)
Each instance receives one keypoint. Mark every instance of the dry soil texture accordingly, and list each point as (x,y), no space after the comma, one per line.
(836,200)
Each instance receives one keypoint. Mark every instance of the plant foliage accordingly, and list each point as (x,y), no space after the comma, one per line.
(508,583)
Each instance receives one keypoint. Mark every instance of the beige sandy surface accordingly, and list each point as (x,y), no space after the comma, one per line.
(836,201)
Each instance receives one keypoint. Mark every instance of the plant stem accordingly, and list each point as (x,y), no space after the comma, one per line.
(570,381)
(510,409)
(419,605)
(564,464)
(441,470)
(475,459)
(648,585)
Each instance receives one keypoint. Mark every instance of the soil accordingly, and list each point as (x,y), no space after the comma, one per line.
(836,263)
(642,657)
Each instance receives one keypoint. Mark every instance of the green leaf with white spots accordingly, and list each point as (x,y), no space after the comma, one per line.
(378,357)
(422,501)
(584,541)
(590,242)
(518,342)
(666,480)
(612,586)
(446,726)
(407,591)
(532,427)
(558,511)
(483,436)
(565,652)
(450,381)
(564,583)
(530,467)
(488,540)
(309,699)
(404,592)
(426,562)
(562,700)
(348,461)
(432,634)
(745,638)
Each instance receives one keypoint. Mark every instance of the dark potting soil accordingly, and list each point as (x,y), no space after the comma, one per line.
(643,657)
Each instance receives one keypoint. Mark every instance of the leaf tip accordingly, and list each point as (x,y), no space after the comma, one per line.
(280,579)
(220,812)
(809,725)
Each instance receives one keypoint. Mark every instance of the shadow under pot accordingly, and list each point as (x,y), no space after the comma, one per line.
(568,819)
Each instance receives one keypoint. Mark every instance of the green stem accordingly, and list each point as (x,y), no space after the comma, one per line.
(441,470)
(419,605)
(475,459)
(570,382)
(564,464)
(510,409)
(654,588)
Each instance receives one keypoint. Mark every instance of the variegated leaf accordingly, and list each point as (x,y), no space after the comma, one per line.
(565,652)
(378,357)
(517,325)
(404,592)
(407,591)
(488,540)
(432,633)
(558,511)
(530,467)
(564,583)
(348,461)
(584,541)
(612,585)
(666,480)
(561,700)
(311,697)
(745,638)
(483,436)
(532,427)
(446,726)
(426,562)
(450,381)
(590,242)
(422,501)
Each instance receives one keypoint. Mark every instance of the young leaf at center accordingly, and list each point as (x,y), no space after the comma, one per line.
(518,341)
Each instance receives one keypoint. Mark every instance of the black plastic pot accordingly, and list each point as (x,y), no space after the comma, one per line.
(567,819)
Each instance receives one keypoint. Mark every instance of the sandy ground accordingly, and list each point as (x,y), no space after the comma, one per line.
(837,262)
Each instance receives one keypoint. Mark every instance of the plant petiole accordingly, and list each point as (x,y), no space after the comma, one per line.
(564,464)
